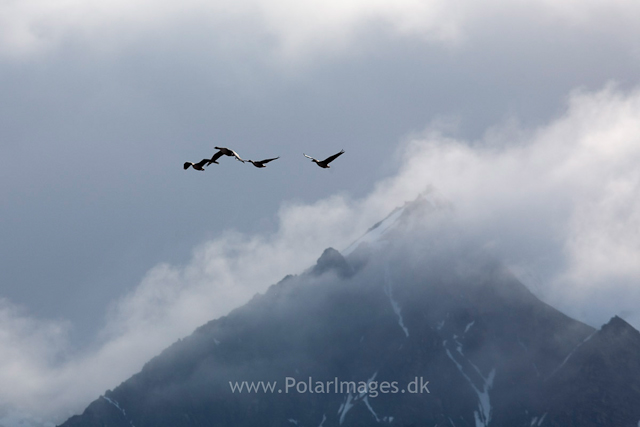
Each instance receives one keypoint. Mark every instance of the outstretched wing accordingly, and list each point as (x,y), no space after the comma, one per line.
(202,162)
(309,157)
(332,158)
(268,160)
(237,156)
(214,158)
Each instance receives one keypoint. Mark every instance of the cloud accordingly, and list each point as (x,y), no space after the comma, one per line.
(35,25)
(169,303)
(29,349)
(558,203)
(295,29)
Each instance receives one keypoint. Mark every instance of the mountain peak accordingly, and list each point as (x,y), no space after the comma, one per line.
(332,260)
(424,311)
(617,324)
(619,331)
(405,217)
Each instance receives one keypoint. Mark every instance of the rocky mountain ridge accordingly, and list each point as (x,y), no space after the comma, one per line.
(401,310)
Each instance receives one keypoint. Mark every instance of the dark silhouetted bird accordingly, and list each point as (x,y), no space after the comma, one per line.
(197,166)
(261,163)
(325,163)
(224,152)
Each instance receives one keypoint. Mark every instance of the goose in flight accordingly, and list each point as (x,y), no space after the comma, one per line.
(197,166)
(261,163)
(325,163)
(223,151)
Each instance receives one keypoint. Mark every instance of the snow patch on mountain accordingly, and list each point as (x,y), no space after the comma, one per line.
(466,329)
(536,422)
(114,403)
(569,355)
(366,402)
(351,400)
(388,290)
(345,407)
(483,414)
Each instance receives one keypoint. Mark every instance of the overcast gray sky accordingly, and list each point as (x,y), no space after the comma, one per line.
(526,115)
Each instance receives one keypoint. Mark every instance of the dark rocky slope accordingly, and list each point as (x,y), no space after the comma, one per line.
(394,311)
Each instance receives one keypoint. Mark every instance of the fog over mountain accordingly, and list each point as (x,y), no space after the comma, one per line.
(523,116)
(429,326)
(548,204)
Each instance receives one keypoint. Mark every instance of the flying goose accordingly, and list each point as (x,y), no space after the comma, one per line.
(226,152)
(261,163)
(325,163)
(197,166)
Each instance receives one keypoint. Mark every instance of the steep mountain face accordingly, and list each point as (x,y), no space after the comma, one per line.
(599,383)
(408,327)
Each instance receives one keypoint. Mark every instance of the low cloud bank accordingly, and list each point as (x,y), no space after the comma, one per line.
(560,204)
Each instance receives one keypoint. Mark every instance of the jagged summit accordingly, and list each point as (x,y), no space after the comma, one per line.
(598,383)
(618,326)
(332,260)
(402,218)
